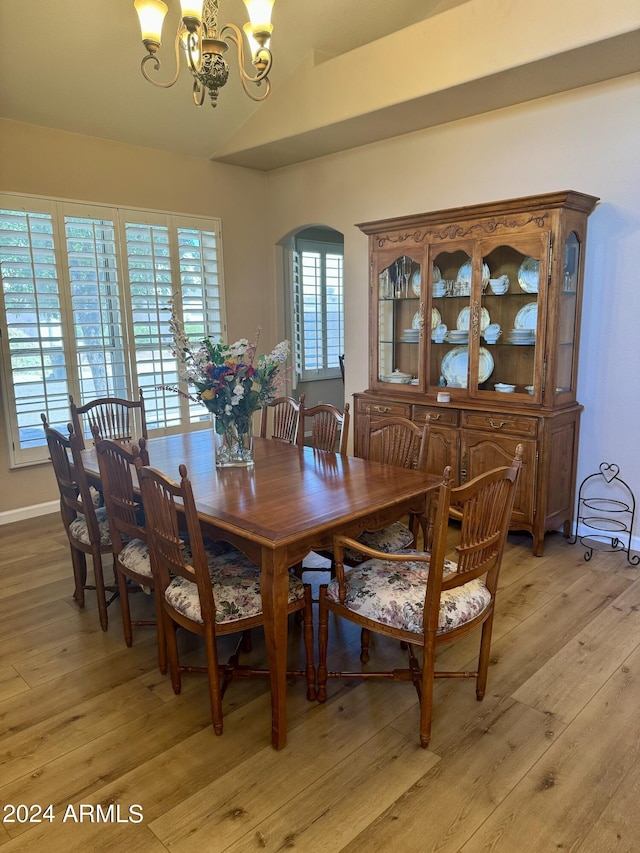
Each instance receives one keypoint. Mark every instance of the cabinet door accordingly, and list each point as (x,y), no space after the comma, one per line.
(443,451)
(400,316)
(564,366)
(480,452)
(450,294)
(508,324)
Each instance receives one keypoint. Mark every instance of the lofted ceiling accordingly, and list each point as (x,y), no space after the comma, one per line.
(74,66)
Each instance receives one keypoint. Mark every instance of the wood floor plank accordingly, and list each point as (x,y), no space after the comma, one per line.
(101,725)
(315,749)
(28,749)
(579,669)
(617,829)
(561,797)
(329,813)
(11,683)
(458,794)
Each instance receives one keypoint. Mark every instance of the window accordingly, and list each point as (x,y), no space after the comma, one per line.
(318,309)
(85,294)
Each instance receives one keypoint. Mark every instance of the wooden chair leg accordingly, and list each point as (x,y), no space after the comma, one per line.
(483,659)
(160,633)
(79,565)
(124,607)
(426,697)
(365,639)
(100,591)
(323,636)
(172,652)
(310,669)
(215,695)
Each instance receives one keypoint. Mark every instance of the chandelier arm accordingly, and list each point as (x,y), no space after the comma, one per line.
(156,64)
(232,34)
(198,92)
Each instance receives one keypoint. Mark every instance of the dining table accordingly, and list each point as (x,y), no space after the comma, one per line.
(292,501)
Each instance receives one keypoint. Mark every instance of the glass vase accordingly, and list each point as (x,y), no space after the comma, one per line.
(233,443)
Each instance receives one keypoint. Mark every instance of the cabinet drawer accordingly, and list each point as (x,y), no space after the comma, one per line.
(384,408)
(439,417)
(503,423)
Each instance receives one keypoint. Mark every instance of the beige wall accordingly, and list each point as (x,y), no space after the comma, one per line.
(51,163)
(586,140)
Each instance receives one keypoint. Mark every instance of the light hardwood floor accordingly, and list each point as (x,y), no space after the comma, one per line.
(548,761)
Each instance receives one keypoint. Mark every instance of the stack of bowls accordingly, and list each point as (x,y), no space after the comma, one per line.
(492,333)
(504,387)
(499,285)
(458,336)
(439,288)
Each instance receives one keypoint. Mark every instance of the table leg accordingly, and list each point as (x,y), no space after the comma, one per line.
(274,587)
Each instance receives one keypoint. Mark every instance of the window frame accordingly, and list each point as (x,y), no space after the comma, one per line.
(183,275)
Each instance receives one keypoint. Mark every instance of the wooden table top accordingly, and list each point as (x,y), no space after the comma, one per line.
(288,493)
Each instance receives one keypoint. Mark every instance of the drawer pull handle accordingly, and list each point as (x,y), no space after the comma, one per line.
(382,409)
(435,417)
(499,425)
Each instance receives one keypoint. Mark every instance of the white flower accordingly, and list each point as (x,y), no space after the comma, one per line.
(238,391)
(228,409)
(279,354)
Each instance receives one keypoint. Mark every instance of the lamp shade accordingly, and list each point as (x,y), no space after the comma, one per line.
(260,14)
(191,9)
(151,15)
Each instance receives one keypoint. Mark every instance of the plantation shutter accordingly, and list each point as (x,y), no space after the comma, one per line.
(85,302)
(318,304)
(34,359)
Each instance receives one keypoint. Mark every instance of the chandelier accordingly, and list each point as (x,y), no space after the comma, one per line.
(204,45)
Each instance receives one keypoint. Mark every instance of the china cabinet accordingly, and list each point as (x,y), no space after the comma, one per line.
(475,321)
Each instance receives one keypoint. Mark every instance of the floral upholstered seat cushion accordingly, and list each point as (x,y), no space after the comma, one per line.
(135,556)
(78,528)
(393,594)
(236,590)
(390,539)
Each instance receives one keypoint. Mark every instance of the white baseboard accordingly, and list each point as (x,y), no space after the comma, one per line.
(32,511)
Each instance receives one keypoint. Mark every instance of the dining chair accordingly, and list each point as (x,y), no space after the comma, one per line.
(425,599)
(329,426)
(114,418)
(394,441)
(86,526)
(211,596)
(284,413)
(131,560)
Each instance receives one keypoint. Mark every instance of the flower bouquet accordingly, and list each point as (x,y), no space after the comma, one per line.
(232,383)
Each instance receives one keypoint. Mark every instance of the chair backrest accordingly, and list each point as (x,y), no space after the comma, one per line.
(124,508)
(328,425)
(285,413)
(113,417)
(485,505)
(75,495)
(163,499)
(395,441)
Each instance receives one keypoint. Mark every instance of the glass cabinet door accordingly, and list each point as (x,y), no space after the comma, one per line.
(451,281)
(512,289)
(568,317)
(400,320)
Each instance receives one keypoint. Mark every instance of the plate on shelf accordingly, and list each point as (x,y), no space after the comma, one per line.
(464,315)
(464,274)
(456,362)
(528,275)
(415,282)
(436,319)
(527,317)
